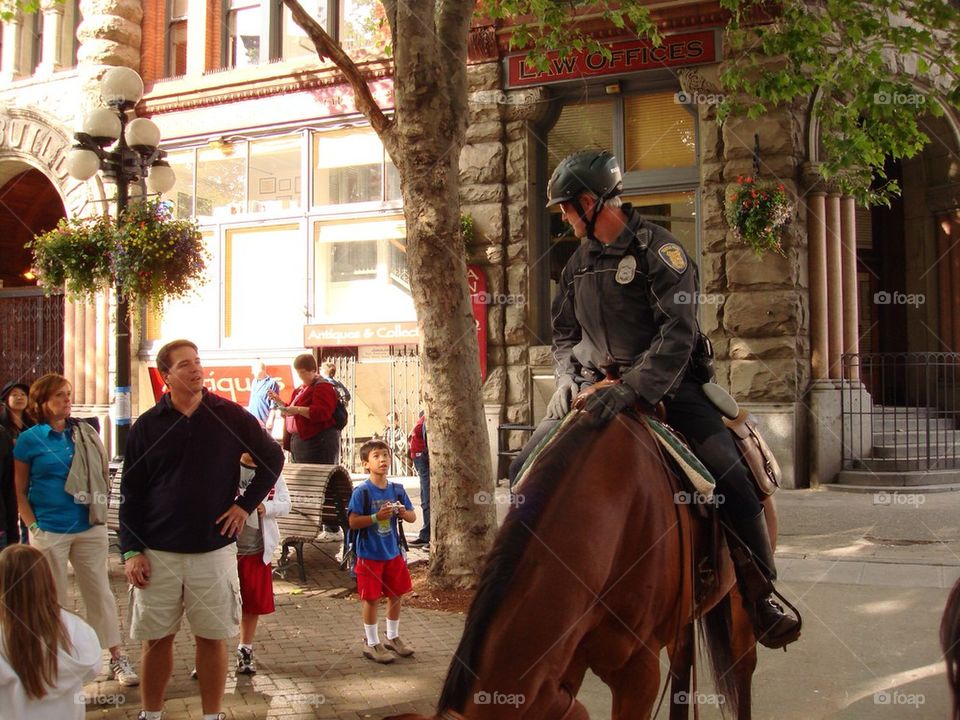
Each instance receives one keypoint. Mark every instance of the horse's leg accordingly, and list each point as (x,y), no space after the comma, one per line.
(635,686)
(681,663)
(743,647)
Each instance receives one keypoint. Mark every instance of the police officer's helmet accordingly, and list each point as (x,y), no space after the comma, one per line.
(596,171)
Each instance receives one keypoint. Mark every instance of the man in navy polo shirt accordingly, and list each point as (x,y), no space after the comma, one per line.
(180,515)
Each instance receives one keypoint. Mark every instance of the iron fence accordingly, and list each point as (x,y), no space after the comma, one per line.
(904,416)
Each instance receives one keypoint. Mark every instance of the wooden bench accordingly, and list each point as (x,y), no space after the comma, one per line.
(318,494)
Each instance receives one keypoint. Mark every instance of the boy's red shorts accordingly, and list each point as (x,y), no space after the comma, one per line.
(256,585)
(382,578)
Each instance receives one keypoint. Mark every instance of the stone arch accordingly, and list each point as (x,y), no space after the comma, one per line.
(813,149)
(31,139)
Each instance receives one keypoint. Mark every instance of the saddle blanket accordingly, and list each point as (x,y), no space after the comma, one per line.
(695,472)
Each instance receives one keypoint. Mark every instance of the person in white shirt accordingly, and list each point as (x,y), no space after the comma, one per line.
(46,653)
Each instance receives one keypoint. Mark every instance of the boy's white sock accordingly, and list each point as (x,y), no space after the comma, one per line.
(212,716)
(248,648)
(373,637)
(393,628)
(153,714)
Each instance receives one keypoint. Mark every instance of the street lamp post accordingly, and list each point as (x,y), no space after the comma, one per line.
(126,150)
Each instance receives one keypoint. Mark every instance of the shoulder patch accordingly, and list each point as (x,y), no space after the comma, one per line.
(673,255)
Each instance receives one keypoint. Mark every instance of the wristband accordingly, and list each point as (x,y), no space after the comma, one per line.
(34,527)
(131,553)
(373,518)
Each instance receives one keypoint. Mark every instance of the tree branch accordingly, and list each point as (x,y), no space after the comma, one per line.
(327,47)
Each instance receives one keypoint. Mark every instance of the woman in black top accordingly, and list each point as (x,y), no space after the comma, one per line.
(13,420)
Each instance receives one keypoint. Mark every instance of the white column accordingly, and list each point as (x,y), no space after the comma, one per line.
(52,38)
(834,288)
(9,63)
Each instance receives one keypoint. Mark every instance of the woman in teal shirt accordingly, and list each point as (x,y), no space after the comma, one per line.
(59,525)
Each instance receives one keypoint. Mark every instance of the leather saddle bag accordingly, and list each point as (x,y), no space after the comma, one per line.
(755,452)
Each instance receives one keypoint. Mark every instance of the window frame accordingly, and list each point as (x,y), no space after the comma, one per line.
(170,56)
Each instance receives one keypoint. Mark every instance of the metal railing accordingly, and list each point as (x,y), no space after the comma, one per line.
(904,416)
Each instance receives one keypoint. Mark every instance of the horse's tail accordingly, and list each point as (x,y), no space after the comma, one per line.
(950,643)
(716,627)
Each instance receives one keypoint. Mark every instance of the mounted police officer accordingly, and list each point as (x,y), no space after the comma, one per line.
(626,307)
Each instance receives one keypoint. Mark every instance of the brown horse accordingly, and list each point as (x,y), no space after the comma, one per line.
(950,643)
(594,568)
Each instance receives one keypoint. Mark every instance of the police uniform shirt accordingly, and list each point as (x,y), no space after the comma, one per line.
(632,304)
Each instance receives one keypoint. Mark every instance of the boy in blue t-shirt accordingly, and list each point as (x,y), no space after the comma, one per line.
(381,570)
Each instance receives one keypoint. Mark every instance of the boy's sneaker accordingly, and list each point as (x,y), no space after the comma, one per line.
(193,674)
(121,671)
(398,646)
(245,662)
(328,536)
(142,715)
(377,653)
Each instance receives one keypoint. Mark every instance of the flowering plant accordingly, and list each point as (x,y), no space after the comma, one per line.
(757,212)
(148,254)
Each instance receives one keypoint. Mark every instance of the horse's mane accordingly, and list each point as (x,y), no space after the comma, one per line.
(566,454)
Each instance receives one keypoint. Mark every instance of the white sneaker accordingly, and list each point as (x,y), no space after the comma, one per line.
(327,536)
(121,671)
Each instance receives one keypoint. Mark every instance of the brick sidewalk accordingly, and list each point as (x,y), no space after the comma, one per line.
(307,655)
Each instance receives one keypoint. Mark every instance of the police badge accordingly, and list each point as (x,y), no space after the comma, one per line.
(626,269)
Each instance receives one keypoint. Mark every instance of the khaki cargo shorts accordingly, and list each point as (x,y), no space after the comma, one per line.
(205,586)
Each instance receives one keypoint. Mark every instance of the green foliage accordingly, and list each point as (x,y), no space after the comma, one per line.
(548,27)
(150,255)
(467,231)
(757,213)
(843,53)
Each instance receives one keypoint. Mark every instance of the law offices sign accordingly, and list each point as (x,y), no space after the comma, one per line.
(626,56)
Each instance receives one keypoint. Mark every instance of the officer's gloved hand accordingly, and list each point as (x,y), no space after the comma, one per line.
(608,402)
(559,404)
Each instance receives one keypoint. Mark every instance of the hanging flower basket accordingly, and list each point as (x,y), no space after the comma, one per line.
(757,212)
(151,256)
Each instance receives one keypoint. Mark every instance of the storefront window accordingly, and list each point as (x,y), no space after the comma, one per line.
(293,40)
(264,286)
(659,133)
(243,26)
(181,194)
(362,271)
(349,168)
(221,180)
(581,126)
(275,174)
(353,261)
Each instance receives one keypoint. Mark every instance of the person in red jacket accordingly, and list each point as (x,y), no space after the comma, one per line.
(309,431)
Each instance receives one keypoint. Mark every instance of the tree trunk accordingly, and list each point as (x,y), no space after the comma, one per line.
(430,87)
(424,139)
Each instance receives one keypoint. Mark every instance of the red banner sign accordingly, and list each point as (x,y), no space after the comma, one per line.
(232,381)
(477,282)
(627,56)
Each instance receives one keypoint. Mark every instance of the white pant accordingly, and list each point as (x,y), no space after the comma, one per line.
(87,552)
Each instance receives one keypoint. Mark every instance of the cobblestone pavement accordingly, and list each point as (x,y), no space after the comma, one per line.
(307,655)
